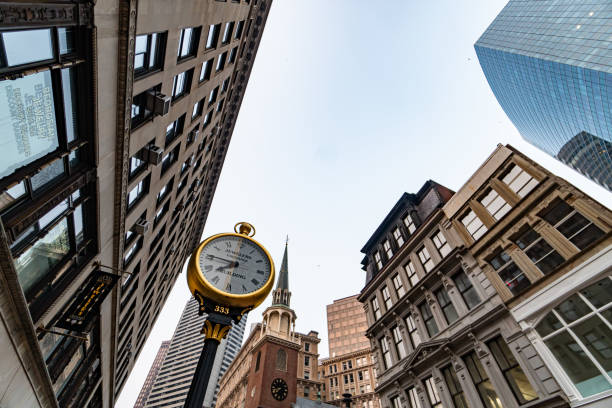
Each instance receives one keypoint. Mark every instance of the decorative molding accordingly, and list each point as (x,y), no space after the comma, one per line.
(45,14)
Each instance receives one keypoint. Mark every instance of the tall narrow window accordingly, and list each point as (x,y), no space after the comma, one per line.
(181,84)
(512,275)
(413,398)
(573,225)
(495,205)
(432,393)
(138,191)
(386,353)
(474,226)
(188,42)
(376,308)
(519,180)
(426,261)
(398,285)
(232,55)
(440,241)
(409,223)
(206,70)
(578,334)
(221,61)
(411,272)
(514,374)
(378,260)
(399,238)
(466,289)
(388,249)
(428,319)
(149,53)
(539,251)
(413,333)
(386,297)
(227,33)
(481,380)
(454,387)
(399,342)
(239,29)
(449,311)
(213,36)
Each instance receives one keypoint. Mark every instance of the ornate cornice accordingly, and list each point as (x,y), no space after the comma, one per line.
(45,14)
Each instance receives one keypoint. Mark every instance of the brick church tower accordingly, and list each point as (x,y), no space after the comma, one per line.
(272,380)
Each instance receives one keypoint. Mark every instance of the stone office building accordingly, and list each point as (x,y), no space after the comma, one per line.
(105,182)
(443,271)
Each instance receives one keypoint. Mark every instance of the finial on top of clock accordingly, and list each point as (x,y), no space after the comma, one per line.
(244,228)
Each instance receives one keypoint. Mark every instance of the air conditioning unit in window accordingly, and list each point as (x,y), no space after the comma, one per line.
(158,103)
(153,154)
(141,227)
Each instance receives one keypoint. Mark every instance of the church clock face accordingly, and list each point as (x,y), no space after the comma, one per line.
(279,389)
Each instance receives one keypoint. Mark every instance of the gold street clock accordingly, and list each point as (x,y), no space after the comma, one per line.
(231,270)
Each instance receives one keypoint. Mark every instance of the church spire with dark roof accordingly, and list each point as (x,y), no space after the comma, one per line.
(282,295)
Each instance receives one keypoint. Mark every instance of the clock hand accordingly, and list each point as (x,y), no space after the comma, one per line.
(222,259)
(231,265)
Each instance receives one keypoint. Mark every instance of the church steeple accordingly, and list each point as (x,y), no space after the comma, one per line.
(282,295)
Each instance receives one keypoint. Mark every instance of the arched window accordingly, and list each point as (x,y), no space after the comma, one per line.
(281,360)
(257,361)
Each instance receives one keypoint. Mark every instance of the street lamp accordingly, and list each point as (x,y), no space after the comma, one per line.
(228,274)
(347,399)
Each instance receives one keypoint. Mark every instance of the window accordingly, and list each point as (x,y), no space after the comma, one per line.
(449,311)
(306,346)
(232,55)
(411,272)
(466,289)
(306,388)
(212,98)
(239,29)
(387,248)
(227,33)
(519,180)
(306,374)
(409,223)
(221,61)
(495,205)
(225,85)
(386,297)
(413,333)
(428,319)
(378,260)
(573,225)
(206,70)
(149,53)
(131,252)
(481,381)
(165,191)
(474,226)
(257,361)
(306,360)
(207,119)
(138,191)
(440,241)
(376,308)
(454,387)
(425,258)
(136,164)
(413,398)
(432,393)
(578,334)
(174,129)
(399,239)
(170,158)
(384,349)
(507,270)
(516,378)
(161,212)
(141,106)
(281,360)
(360,375)
(399,342)
(213,36)
(181,84)
(198,107)
(40,47)
(219,106)
(188,42)
(539,251)
(398,285)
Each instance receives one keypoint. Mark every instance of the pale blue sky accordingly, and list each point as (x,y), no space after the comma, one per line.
(350,104)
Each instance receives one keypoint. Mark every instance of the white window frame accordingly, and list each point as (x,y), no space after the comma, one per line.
(399,238)
(441,243)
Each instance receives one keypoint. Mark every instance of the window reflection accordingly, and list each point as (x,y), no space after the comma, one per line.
(24,47)
(48,174)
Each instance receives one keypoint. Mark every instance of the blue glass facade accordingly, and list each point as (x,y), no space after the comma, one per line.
(549,64)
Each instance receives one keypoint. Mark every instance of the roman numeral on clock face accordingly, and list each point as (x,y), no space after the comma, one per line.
(255,282)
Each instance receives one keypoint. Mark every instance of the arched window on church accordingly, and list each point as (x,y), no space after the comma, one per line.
(257,361)
(281,360)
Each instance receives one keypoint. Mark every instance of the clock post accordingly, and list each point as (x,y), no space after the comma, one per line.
(228,274)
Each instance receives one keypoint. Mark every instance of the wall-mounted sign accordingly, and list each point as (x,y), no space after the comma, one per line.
(87,302)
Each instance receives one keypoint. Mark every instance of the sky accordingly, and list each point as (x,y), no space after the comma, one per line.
(350,104)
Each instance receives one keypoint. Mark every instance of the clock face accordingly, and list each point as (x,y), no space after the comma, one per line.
(279,389)
(235,265)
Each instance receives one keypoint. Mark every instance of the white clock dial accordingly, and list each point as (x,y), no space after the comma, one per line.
(235,265)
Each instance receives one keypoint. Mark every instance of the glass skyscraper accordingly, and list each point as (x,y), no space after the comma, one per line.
(549,64)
